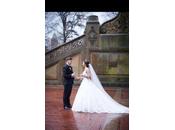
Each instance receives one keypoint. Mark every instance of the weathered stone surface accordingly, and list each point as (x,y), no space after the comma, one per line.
(110,63)
(105,46)
(67,49)
(119,24)
(51,73)
(114,41)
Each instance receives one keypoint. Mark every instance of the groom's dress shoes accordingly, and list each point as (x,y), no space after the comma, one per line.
(67,108)
(70,106)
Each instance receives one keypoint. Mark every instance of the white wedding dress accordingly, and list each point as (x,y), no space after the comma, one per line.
(91,97)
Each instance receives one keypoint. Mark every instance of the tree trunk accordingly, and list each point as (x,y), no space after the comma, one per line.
(64,31)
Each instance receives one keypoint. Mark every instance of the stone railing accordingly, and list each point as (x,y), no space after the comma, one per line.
(98,44)
(64,50)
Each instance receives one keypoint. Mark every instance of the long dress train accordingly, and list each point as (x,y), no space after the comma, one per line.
(90,98)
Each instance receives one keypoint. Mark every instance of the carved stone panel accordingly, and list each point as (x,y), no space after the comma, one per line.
(119,24)
(92,35)
(110,63)
(93,38)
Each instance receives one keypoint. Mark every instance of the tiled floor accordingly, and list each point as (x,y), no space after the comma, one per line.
(59,119)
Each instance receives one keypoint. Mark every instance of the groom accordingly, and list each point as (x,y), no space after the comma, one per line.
(68,76)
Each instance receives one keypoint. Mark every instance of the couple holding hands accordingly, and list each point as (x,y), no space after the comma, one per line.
(91,96)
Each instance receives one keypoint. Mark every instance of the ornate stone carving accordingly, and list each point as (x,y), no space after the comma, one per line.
(119,24)
(92,35)
(63,50)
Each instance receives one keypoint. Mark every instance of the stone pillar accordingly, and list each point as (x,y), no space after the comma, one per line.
(91,36)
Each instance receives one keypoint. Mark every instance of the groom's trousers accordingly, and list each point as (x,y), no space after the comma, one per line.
(67,93)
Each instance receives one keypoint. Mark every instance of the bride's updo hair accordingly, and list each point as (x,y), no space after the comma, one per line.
(86,62)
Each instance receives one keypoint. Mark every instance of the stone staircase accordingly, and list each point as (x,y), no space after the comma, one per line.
(67,49)
(108,42)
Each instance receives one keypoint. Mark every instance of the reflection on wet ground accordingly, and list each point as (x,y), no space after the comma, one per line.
(59,119)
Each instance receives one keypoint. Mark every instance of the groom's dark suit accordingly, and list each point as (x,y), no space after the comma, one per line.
(68,83)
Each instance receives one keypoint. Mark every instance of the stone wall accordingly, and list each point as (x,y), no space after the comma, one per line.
(54,74)
(106,49)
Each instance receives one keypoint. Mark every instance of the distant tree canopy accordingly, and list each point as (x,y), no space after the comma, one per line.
(64,24)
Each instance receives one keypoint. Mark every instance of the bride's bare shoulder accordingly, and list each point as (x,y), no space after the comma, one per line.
(87,69)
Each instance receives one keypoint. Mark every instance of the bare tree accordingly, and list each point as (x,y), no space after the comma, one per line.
(64,24)
(49,23)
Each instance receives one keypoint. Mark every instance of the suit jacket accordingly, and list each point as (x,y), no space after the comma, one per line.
(67,71)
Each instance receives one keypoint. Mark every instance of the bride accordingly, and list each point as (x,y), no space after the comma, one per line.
(91,96)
